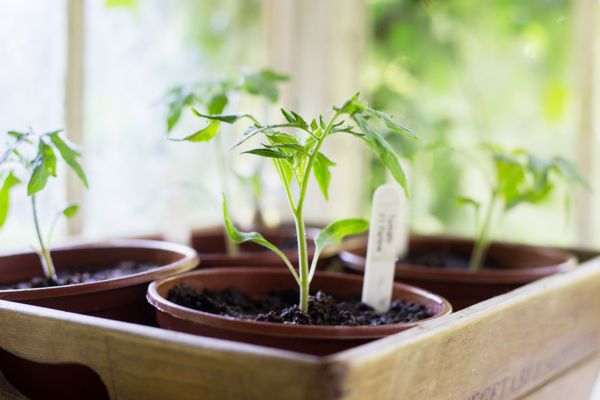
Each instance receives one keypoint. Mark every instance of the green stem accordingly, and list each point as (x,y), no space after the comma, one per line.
(231,247)
(299,220)
(45,257)
(482,241)
(303,260)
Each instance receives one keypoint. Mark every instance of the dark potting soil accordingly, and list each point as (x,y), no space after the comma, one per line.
(281,307)
(86,274)
(441,259)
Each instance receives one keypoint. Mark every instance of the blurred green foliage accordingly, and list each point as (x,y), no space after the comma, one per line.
(463,72)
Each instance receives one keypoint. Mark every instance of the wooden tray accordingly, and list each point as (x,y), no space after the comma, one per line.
(539,341)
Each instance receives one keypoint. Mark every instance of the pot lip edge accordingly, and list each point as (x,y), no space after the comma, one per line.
(284,330)
(188,261)
(355,261)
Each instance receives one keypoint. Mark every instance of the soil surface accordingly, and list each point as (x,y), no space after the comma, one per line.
(87,274)
(281,307)
(440,259)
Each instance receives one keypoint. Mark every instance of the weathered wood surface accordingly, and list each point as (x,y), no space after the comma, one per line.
(501,349)
(137,362)
(575,384)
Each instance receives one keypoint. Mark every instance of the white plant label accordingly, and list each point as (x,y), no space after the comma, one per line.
(382,250)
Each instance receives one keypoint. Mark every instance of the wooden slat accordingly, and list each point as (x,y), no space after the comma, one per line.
(503,348)
(143,362)
(499,349)
(576,384)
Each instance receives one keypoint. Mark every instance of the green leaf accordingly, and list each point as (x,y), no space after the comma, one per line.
(250,132)
(69,154)
(10,181)
(176,107)
(382,150)
(299,120)
(269,153)
(352,105)
(322,173)
(241,237)
(468,201)
(203,135)
(391,124)
(44,167)
(263,83)
(70,210)
(217,104)
(289,117)
(334,233)
(15,134)
(228,118)
(570,172)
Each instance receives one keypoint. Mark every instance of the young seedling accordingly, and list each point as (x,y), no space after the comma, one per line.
(213,97)
(294,146)
(520,178)
(34,157)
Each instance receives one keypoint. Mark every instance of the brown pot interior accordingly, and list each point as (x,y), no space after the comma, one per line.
(504,261)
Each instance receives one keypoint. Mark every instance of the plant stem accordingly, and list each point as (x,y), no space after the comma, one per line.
(231,247)
(303,260)
(299,220)
(482,241)
(45,257)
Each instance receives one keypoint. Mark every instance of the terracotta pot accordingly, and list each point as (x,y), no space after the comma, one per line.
(210,245)
(256,282)
(120,298)
(514,265)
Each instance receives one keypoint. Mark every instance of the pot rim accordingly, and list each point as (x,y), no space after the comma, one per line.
(355,260)
(278,329)
(189,259)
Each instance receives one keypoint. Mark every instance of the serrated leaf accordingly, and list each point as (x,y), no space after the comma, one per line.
(392,124)
(352,105)
(9,182)
(269,153)
(241,237)
(228,118)
(248,133)
(322,173)
(44,167)
(322,122)
(299,120)
(288,117)
(382,150)
(69,154)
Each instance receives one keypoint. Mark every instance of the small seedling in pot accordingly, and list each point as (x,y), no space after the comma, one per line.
(520,178)
(213,97)
(32,158)
(294,146)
